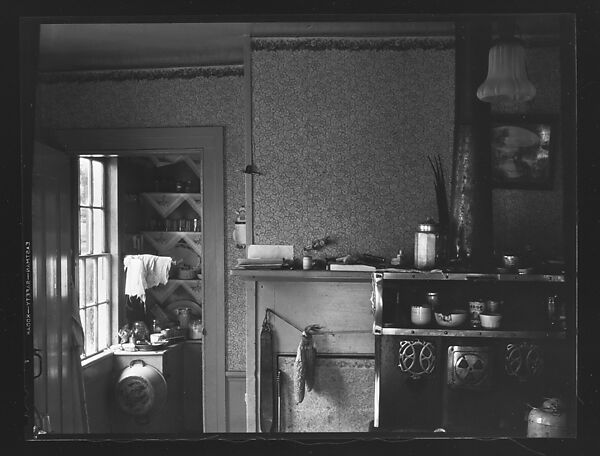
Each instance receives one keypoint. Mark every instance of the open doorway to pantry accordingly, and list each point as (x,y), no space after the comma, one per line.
(157,182)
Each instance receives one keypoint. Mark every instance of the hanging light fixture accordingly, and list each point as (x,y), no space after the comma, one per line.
(507,76)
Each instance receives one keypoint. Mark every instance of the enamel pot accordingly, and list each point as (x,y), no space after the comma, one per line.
(141,389)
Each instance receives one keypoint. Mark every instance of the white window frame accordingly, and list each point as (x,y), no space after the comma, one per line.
(104,335)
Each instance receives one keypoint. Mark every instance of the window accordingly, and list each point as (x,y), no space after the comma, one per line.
(94,259)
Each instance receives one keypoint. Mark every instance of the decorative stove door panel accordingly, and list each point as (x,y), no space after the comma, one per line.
(410,376)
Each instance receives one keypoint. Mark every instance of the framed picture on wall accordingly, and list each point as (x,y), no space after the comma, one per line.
(522,151)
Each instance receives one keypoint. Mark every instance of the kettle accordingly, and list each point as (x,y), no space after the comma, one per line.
(548,421)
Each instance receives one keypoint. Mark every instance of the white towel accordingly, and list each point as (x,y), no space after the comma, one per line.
(143,272)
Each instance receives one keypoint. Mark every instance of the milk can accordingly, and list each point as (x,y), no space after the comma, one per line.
(548,421)
(427,245)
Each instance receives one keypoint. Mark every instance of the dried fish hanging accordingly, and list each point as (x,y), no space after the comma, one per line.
(266,377)
(304,364)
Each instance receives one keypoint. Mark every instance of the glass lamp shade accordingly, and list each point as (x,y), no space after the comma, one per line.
(507,77)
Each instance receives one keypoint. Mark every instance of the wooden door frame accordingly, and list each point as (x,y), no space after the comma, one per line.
(207,142)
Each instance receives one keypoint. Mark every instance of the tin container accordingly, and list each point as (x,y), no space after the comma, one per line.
(476,308)
(427,245)
(548,421)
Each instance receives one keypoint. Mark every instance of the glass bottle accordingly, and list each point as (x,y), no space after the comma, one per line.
(156,327)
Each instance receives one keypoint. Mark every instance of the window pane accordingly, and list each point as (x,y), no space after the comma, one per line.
(82,300)
(103,327)
(91,274)
(91,336)
(85,231)
(84,182)
(82,320)
(98,241)
(98,183)
(103,279)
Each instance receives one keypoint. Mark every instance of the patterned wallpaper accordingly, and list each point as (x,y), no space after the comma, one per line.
(341,138)
(157,98)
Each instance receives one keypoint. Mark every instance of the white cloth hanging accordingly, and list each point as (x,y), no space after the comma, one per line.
(143,272)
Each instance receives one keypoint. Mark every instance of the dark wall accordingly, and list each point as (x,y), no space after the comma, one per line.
(535,217)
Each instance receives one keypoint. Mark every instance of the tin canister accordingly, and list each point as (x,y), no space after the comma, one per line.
(475,309)
(427,245)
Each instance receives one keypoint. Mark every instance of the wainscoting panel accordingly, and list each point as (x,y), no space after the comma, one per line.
(235,392)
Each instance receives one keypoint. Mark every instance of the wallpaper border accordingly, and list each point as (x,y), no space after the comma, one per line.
(353,44)
(141,74)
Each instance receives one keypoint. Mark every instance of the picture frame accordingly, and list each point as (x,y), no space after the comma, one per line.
(522,151)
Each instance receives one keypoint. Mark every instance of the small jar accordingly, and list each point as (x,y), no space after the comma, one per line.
(433,299)
(183,317)
(427,245)
(195,331)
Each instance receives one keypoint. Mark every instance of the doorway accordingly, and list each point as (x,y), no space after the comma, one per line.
(202,149)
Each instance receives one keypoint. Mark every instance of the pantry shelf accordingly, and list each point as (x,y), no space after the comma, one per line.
(166,203)
(164,241)
(162,292)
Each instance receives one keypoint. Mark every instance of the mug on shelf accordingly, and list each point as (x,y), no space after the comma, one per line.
(420,315)
(493,306)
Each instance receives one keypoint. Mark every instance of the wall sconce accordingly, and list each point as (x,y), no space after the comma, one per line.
(507,75)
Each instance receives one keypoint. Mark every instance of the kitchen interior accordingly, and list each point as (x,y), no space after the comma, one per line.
(371,227)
